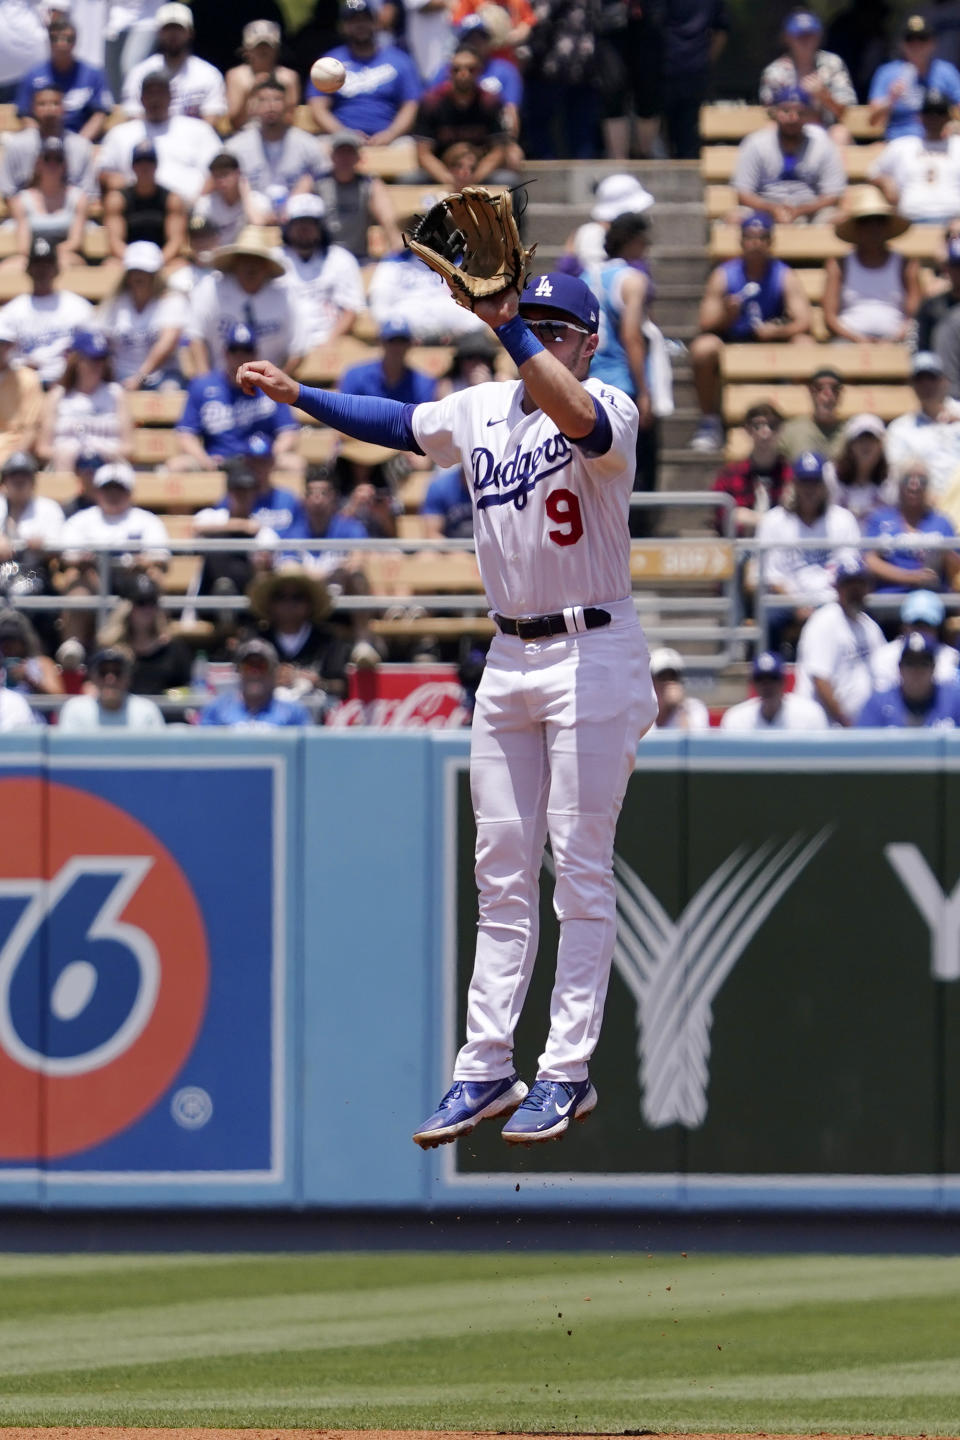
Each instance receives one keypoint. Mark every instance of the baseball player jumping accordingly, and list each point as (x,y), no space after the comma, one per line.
(566,693)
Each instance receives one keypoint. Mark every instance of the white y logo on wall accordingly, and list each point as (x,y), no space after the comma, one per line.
(675,968)
(940,911)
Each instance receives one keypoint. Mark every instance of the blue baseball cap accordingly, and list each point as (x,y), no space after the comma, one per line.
(923,607)
(808,466)
(757,220)
(566,294)
(241,337)
(918,649)
(803,23)
(791,94)
(92,344)
(258,444)
(395,330)
(767,666)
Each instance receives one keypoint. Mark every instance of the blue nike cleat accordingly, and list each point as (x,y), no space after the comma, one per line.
(548,1110)
(465,1104)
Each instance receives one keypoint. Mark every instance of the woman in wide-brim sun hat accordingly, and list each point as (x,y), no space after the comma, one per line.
(872,293)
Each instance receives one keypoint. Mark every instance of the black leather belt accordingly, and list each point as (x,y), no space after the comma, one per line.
(534,627)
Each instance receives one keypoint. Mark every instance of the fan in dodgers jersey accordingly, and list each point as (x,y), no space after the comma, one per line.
(566,693)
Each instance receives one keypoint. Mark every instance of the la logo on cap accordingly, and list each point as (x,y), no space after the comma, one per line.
(544,288)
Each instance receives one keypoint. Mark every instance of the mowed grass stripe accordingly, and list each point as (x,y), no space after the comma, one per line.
(143,1333)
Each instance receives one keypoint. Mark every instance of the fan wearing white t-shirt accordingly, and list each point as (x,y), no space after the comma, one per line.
(115,520)
(920,174)
(837,646)
(185,146)
(196,87)
(772,708)
(26,517)
(324,281)
(144,320)
(42,325)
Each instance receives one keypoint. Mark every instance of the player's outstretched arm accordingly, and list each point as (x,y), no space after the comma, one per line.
(365,417)
(550,385)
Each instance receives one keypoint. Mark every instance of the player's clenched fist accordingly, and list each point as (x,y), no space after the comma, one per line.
(261,375)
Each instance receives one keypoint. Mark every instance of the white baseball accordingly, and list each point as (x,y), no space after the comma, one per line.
(327,74)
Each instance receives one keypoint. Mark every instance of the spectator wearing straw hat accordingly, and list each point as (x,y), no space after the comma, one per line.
(872,293)
(898,88)
(614,196)
(244,289)
(293,605)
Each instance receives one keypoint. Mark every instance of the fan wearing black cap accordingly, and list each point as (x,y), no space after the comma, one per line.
(566,693)
(920,174)
(772,706)
(161,660)
(255,705)
(897,89)
(145,210)
(26,517)
(41,325)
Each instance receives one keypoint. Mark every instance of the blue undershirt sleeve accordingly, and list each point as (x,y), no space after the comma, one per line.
(364,417)
(600,439)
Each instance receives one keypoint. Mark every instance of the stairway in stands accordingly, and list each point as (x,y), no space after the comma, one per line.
(560,200)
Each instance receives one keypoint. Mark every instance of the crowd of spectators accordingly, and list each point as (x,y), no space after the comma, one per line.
(229,231)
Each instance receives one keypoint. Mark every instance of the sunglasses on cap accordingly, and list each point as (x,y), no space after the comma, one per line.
(552,331)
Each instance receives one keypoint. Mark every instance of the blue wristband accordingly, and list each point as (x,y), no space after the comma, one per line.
(518,340)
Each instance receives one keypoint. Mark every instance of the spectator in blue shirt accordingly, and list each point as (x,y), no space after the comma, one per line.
(87,100)
(902,562)
(447,507)
(219,419)
(390,378)
(898,88)
(255,704)
(918,699)
(379,96)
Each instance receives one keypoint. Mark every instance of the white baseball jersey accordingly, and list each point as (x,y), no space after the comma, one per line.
(793,713)
(550,521)
(329,282)
(836,647)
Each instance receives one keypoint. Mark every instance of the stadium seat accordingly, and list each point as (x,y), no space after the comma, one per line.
(798,243)
(422,573)
(665,563)
(93,282)
(887,401)
(156,407)
(178,490)
(885,361)
(718,162)
(733,122)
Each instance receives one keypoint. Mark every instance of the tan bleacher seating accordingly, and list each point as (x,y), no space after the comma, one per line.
(178,490)
(9,119)
(887,401)
(422,573)
(718,162)
(439,627)
(94,243)
(152,446)
(57,485)
(883,361)
(181,574)
(733,122)
(156,407)
(93,282)
(814,243)
(325,364)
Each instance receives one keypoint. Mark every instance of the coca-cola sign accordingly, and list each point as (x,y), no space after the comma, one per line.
(403,697)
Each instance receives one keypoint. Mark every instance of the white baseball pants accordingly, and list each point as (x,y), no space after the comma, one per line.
(555,732)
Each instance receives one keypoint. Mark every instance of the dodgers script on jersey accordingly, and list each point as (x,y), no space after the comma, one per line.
(550,521)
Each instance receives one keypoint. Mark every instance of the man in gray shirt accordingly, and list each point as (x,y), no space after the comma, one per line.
(277,158)
(794,172)
(20,149)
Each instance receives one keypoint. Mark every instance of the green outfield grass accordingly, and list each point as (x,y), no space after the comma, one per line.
(500,1341)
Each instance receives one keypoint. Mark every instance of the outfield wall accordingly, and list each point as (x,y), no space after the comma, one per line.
(243,983)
